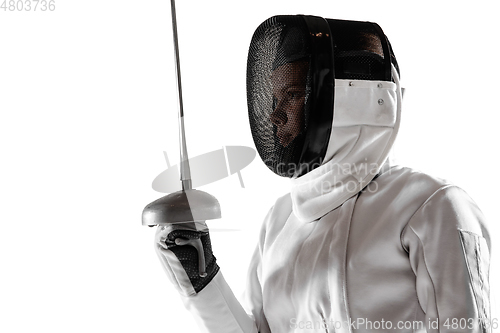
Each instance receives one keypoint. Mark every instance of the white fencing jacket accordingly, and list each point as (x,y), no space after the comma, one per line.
(414,253)
(347,252)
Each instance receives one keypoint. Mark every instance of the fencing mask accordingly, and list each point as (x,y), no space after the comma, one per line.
(293,63)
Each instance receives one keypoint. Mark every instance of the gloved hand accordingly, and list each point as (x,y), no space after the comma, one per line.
(178,247)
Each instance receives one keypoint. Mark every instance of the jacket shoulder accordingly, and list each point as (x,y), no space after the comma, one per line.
(400,190)
(433,199)
(410,181)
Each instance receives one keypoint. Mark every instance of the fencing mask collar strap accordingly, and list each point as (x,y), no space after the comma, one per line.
(365,126)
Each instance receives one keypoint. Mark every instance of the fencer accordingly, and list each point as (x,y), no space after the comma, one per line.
(357,240)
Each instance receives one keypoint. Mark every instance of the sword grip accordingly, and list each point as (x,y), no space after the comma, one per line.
(196,243)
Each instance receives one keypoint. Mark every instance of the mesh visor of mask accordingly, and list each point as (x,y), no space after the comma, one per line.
(293,62)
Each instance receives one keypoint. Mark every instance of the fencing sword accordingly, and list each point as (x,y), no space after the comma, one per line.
(188,208)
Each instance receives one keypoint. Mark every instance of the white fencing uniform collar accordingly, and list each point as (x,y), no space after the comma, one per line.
(365,126)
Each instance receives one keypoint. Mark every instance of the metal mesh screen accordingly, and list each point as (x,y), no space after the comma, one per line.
(278,86)
(358,51)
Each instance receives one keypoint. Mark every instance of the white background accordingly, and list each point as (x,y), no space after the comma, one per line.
(88,103)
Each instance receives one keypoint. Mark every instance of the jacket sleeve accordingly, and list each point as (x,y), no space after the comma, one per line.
(253,292)
(449,251)
(215,308)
